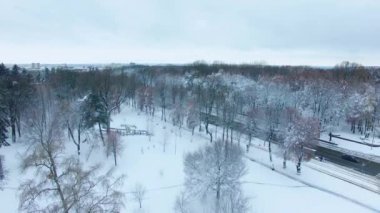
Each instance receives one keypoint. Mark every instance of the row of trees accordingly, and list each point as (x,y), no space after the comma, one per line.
(16,91)
(340,98)
(342,95)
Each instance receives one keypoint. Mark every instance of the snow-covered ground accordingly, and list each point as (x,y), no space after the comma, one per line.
(161,173)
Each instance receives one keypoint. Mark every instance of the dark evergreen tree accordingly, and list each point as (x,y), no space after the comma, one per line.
(94,112)
(4,123)
(19,91)
(3,70)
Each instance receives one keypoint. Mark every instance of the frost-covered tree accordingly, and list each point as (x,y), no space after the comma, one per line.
(214,171)
(60,183)
(178,115)
(360,108)
(230,106)
(300,140)
(234,202)
(212,90)
(162,94)
(251,125)
(193,118)
(145,102)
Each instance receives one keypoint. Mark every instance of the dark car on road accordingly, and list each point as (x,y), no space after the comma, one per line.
(350,158)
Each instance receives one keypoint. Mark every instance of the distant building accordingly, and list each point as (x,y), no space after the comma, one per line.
(36,66)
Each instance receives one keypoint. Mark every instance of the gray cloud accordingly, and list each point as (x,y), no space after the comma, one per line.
(281,32)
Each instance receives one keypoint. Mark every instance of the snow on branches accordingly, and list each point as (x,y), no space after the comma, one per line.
(299,140)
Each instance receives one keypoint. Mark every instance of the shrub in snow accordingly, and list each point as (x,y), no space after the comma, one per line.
(181,203)
(139,193)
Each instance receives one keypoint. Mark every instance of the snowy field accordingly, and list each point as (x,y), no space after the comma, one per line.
(158,166)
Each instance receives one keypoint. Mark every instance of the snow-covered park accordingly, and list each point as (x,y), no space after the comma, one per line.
(155,163)
(252,106)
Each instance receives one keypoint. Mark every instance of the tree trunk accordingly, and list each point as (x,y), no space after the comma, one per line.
(232,140)
(217,201)
(227,135)
(249,141)
(58,184)
(207,131)
(101,133)
(223,132)
(1,169)
(108,122)
(114,152)
(299,166)
(270,151)
(13,126)
(18,125)
(78,144)
(299,163)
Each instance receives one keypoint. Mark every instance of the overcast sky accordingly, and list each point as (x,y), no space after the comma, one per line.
(304,32)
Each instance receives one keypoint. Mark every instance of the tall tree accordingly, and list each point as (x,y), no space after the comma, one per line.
(76,115)
(111,93)
(210,170)
(94,113)
(4,122)
(300,139)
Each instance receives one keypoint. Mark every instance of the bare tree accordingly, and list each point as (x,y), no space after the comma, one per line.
(139,193)
(181,203)
(213,169)
(163,91)
(178,116)
(251,125)
(208,96)
(60,183)
(193,118)
(75,121)
(234,201)
(114,145)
